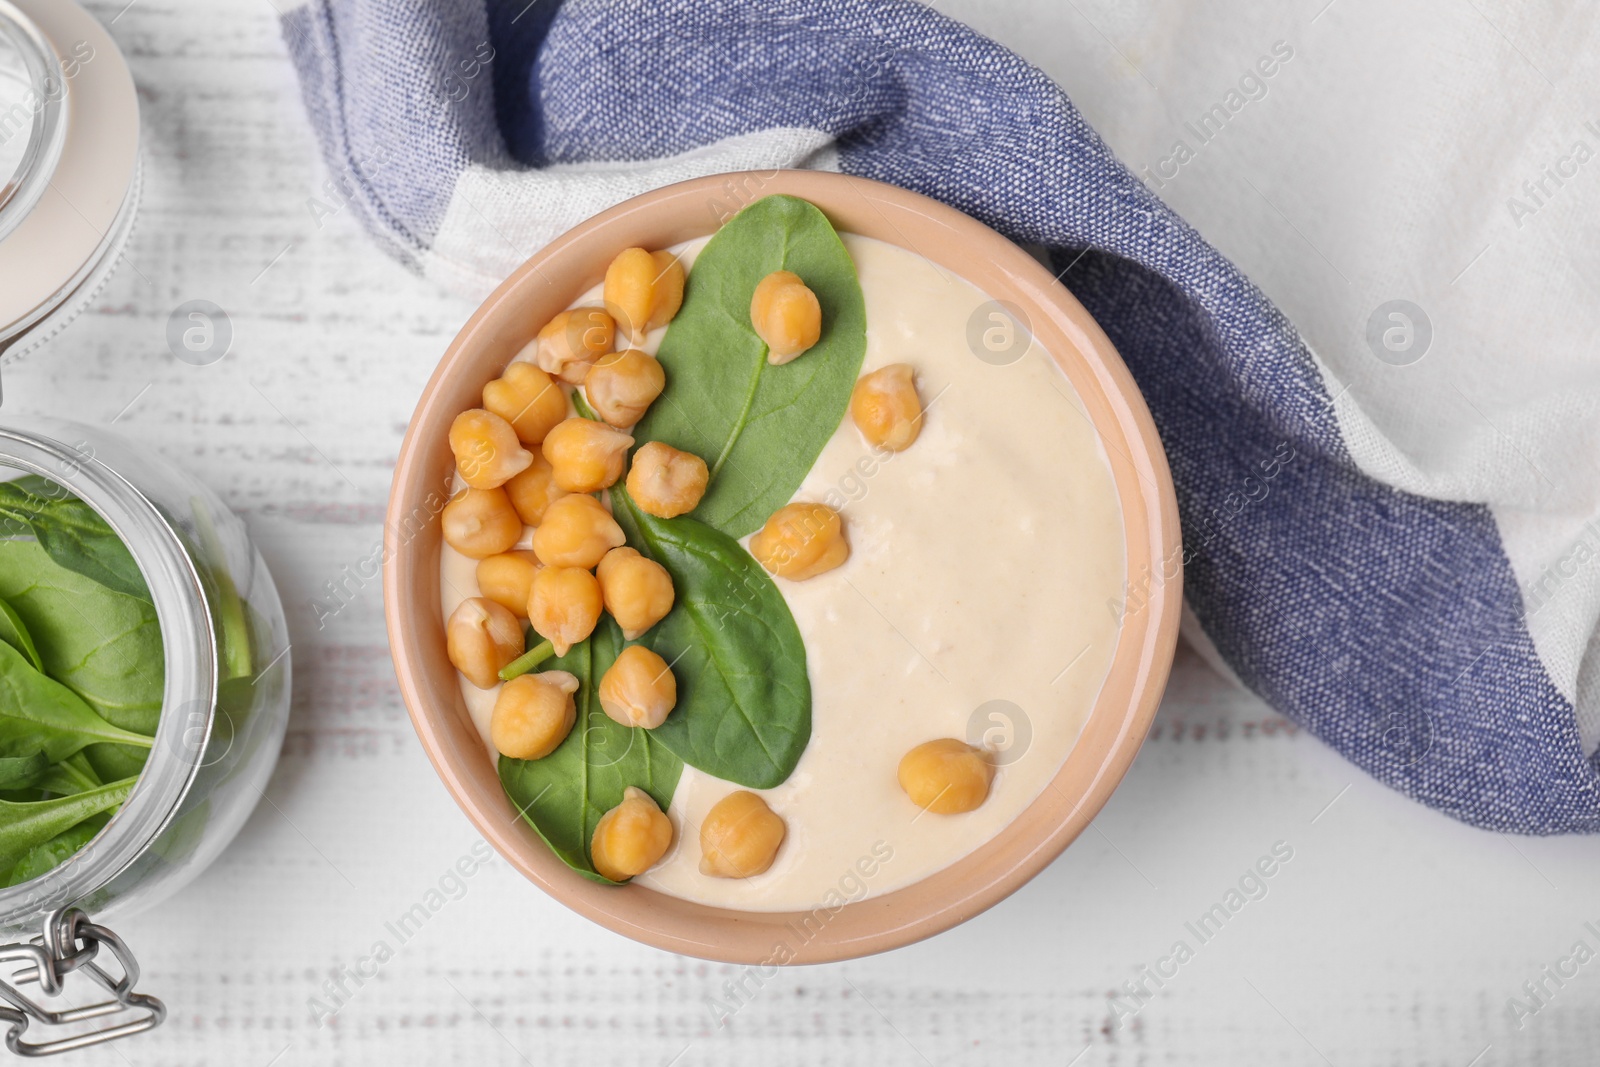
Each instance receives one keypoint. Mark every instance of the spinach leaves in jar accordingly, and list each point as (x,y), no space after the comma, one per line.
(82,676)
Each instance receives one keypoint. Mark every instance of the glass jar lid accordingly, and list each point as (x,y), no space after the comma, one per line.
(33,105)
(69,164)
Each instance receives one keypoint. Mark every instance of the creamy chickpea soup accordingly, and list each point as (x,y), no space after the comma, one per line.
(948,561)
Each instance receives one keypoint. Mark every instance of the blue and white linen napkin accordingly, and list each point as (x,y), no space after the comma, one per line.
(1393,625)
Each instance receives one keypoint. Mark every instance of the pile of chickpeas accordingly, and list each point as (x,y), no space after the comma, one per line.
(550,552)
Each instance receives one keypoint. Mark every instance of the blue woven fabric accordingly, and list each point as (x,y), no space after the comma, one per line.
(1389,625)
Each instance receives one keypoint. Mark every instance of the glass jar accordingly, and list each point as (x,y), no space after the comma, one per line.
(226,699)
(69,193)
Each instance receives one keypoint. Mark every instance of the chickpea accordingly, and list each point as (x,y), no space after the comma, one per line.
(480,523)
(740,836)
(480,637)
(507,579)
(577,532)
(669,289)
(533,714)
(637,591)
(487,450)
(564,606)
(623,385)
(571,342)
(885,407)
(946,776)
(630,289)
(532,491)
(528,399)
(786,315)
(639,689)
(665,482)
(801,541)
(643,290)
(586,456)
(631,837)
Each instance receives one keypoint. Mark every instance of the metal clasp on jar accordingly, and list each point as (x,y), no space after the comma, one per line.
(71,942)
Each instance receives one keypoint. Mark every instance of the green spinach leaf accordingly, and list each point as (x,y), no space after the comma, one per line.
(563,795)
(72,532)
(14,632)
(39,714)
(103,645)
(56,851)
(744,699)
(759,427)
(23,826)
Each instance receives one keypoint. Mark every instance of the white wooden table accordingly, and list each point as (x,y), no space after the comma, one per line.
(1393,935)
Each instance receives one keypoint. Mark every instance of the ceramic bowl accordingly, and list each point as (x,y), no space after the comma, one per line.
(1115,728)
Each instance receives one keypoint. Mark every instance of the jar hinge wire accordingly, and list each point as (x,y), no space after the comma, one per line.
(71,942)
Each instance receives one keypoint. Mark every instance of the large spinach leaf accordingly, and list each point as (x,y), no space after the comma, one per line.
(563,795)
(759,427)
(39,714)
(103,645)
(744,699)
(72,532)
(23,826)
